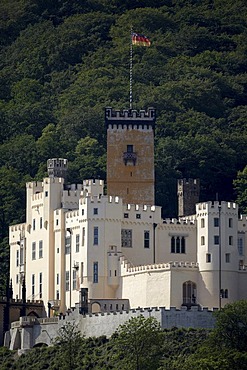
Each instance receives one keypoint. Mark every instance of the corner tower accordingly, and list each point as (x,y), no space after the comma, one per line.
(130,154)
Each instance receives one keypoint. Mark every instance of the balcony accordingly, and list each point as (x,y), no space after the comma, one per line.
(129,157)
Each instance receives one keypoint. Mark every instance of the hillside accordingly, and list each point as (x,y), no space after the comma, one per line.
(62,62)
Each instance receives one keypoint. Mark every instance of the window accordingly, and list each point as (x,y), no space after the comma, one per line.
(202,222)
(17,278)
(146,239)
(224,293)
(228,257)
(74,279)
(126,238)
(126,215)
(216,239)
(240,247)
(57,279)
(40,285)
(46,193)
(56,222)
(95,235)
(33,251)
(82,212)
(33,285)
(82,268)
(33,224)
(95,211)
(172,244)
(83,236)
(17,258)
(21,256)
(95,272)
(67,281)
(189,293)
(57,294)
(230,222)
(177,244)
(202,240)
(138,215)
(130,148)
(182,244)
(77,242)
(230,240)
(41,249)
(216,222)
(67,244)
(208,257)
(40,222)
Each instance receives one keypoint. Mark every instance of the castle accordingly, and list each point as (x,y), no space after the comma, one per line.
(115,252)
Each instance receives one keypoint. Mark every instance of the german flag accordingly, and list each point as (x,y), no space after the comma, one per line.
(140,40)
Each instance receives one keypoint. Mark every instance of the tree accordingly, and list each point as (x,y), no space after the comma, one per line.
(137,344)
(240,186)
(231,326)
(69,341)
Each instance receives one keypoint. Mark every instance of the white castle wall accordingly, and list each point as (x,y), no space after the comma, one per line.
(35,331)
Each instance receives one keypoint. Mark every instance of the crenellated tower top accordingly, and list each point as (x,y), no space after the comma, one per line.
(57,167)
(127,117)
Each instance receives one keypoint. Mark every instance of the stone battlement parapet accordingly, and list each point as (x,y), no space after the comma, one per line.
(214,205)
(130,118)
(112,114)
(182,221)
(188,182)
(158,266)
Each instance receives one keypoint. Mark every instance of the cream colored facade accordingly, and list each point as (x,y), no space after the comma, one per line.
(77,237)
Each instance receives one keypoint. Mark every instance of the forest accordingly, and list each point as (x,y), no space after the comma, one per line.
(62,62)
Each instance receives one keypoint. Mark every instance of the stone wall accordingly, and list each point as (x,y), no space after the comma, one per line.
(36,331)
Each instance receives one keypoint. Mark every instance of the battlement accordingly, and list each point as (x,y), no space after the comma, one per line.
(37,197)
(182,221)
(57,167)
(158,266)
(18,227)
(214,206)
(140,207)
(130,117)
(191,183)
(72,214)
(93,182)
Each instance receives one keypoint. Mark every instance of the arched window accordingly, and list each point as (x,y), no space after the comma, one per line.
(189,293)
(202,222)
(96,307)
(202,240)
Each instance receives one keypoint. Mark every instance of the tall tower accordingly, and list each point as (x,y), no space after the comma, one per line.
(130,154)
(188,196)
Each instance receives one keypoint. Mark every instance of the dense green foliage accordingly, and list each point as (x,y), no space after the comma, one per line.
(141,344)
(138,344)
(62,62)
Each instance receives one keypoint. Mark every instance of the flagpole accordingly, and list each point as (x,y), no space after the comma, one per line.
(131,65)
